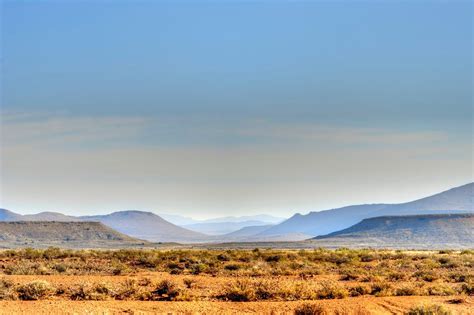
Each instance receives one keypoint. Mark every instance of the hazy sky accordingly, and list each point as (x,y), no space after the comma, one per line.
(211,108)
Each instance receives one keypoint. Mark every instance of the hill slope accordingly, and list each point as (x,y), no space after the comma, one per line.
(459,199)
(416,231)
(7,215)
(65,234)
(246,231)
(146,225)
(221,228)
(49,216)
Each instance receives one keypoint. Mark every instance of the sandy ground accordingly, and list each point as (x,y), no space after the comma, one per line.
(360,305)
(207,286)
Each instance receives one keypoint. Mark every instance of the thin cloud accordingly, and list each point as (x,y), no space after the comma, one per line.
(56,131)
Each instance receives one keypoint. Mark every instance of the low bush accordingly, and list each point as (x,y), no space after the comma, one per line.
(239,291)
(7,291)
(331,290)
(407,290)
(310,309)
(429,310)
(166,290)
(35,290)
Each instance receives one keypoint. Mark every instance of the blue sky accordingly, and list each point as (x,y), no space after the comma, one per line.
(233,107)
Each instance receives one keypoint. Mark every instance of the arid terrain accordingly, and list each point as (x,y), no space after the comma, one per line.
(268,281)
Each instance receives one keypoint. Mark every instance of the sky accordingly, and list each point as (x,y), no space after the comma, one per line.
(215,108)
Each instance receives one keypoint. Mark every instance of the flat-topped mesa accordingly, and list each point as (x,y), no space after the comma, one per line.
(60,233)
(415,231)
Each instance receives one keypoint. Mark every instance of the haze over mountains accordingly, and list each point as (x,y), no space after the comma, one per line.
(224,225)
(152,227)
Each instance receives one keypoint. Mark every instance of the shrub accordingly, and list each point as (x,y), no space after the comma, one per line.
(60,268)
(396,276)
(198,268)
(457,301)
(232,267)
(381,289)
(239,291)
(331,290)
(89,292)
(441,290)
(223,257)
(273,258)
(7,290)
(310,309)
(428,310)
(407,290)
(350,275)
(359,290)
(189,283)
(428,276)
(128,289)
(467,288)
(264,290)
(166,290)
(35,290)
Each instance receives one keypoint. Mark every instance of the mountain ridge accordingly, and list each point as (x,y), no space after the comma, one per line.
(327,221)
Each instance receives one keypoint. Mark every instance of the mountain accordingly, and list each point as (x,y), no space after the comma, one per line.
(254,234)
(459,199)
(146,225)
(7,215)
(187,221)
(64,234)
(219,228)
(178,219)
(323,222)
(246,232)
(413,231)
(49,216)
(269,219)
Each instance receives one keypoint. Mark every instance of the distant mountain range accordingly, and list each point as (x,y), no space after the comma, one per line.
(182,220)
(223,225)
(459,199)
(152,227)
(412,231)
(221,228)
